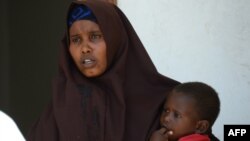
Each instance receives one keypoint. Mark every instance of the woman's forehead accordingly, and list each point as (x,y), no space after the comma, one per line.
(84,26)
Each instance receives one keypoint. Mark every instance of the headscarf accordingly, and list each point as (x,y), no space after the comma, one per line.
(80,12)
(123,104)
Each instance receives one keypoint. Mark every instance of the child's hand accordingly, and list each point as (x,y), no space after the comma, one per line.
(160,135)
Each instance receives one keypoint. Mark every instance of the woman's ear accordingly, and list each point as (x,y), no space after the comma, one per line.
(202,126)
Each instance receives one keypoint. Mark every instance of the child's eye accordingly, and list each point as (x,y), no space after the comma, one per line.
(166,110)
(177,115)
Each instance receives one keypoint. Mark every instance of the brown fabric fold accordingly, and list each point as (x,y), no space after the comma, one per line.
(123,104)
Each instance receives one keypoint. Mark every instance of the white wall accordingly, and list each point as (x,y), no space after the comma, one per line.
(200,40)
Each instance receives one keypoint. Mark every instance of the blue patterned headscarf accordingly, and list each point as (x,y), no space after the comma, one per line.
(80,12)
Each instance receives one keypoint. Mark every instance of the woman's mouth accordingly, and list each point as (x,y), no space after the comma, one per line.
(88,62)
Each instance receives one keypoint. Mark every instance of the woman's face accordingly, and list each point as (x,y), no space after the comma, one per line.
(88,48)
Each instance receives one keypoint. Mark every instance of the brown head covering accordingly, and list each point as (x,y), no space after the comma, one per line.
(120,105)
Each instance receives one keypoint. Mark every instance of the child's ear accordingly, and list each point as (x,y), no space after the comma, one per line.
(202,126)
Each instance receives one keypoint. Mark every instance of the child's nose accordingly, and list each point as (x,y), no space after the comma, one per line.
(167,117)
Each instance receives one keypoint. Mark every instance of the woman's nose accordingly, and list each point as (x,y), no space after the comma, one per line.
(86,48)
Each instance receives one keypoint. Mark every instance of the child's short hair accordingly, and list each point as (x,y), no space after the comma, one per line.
(207,99)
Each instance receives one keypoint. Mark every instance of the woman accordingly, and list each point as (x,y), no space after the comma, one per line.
(107,88)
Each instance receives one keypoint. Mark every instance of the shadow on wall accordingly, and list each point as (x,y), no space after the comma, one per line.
(30,38)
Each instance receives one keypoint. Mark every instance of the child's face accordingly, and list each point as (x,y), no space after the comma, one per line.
(88,48)
(179,115)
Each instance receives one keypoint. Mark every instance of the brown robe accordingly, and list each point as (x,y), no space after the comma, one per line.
(123,104)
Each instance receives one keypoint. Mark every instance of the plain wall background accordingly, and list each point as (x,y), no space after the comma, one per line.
(200,40)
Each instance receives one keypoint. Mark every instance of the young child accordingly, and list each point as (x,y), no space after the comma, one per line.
(189,114)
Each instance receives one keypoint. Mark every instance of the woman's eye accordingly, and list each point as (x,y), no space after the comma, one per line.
(76,40)
(95,37)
